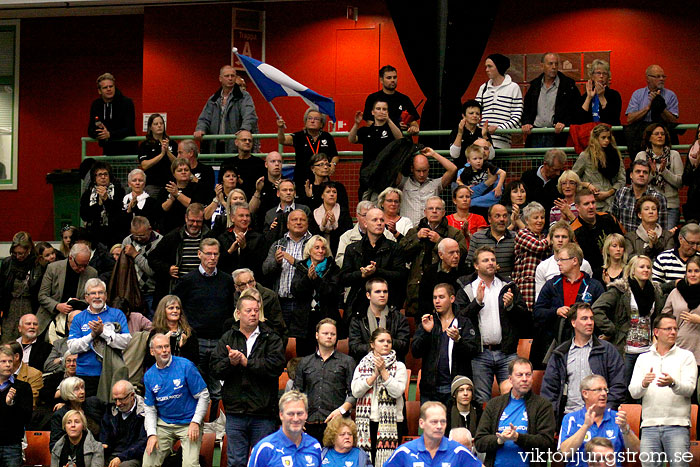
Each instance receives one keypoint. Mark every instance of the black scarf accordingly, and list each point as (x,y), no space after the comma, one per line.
(690,293)
(612,163)
(645,298)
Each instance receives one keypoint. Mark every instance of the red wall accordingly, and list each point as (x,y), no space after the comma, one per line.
(637,37)
(168,60)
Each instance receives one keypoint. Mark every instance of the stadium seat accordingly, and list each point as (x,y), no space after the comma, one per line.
(694,422)
(223,461)
(291,351)
(634,415)
(284,377)
(412,415)
(37,452)
(537,377)
(418,385)
(695,451)
(206,451)
(408,385)
(524,348)
(344,346)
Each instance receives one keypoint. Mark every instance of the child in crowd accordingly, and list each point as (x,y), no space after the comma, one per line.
(480,175)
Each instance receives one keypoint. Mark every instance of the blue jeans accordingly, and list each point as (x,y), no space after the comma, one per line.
(481,200)
(244,432)
(484,366)
(206,348)
(674,217)
(11,455)
(664,443)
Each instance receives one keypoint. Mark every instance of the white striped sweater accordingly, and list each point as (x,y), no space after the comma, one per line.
(502,106)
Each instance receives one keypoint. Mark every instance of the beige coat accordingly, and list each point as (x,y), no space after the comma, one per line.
(688,333)
(588,173)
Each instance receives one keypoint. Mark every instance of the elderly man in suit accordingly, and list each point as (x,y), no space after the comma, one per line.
(62,281)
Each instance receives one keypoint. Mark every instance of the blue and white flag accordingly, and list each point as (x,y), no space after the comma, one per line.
(273,83)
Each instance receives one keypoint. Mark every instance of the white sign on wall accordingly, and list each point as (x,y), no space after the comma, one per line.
(145,119)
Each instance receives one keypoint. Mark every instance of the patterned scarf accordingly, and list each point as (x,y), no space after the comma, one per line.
(657,180)
(387,432)
(94,199)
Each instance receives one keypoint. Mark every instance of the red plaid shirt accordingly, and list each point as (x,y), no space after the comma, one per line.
(530,250)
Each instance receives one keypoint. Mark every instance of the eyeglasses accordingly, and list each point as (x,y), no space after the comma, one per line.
(657,76)
(693,244)
(560,260)
(123,399)
(601,73)
(598,390)
(94,294)
(242,285)
(669,329)
(314,119)
(78,265)
(322,164)
(211,254)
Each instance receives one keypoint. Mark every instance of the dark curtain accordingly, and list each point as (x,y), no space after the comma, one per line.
(443,41)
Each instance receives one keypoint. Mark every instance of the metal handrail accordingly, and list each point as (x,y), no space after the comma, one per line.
(511,153)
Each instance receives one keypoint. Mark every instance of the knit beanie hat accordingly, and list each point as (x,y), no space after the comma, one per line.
(501,61)
(460,381)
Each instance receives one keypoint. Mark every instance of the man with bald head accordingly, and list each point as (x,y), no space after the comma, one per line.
(419,186)
(63,280)
(35,351)
(278,267)
(373,256)
(653,103)
(122,431)
(420,248)
(227,111)
(249,168)
(447,270)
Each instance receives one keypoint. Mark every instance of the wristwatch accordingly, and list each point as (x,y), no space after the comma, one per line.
(342,410)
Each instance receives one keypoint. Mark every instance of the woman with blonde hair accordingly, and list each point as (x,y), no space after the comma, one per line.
(600,103)
(565,208)
(615,255)
(77,447)
(600,167)
(626,311)
(389,201)
(169,319)
(316,285)
(340,445)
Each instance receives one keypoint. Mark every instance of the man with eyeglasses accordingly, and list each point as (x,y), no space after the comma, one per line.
(244,279)
(122,432)
(432,448)
(265,196)
(669,266)
(138,245)
(177,252)
(664,378)
(92,331)
(653,103)
(207,299)
(420,247)
(595,419)
(558,294)
(63,280)
(249,168)
(574,359)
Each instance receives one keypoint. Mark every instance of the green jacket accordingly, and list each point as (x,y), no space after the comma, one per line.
(612,312)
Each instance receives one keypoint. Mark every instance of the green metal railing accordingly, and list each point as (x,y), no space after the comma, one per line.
(352,156)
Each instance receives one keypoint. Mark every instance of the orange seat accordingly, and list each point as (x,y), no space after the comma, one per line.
(223,460)
(695,451)
(524,348)
(412,416)
(291,350)
(408,385)
(412,362)
(344,346)
(537,377)
(406,439)
(420,373)
(495,389)
(206,451)
(38,452)
(634,415)
(694,422)
(284,377)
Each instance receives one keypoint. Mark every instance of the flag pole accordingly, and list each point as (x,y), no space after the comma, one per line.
(235,51)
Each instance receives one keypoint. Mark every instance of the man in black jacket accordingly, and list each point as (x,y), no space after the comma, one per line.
(541,183)
(499,316)
(112,118)
(378,314)
(552,100)
(373,256)
(446,342)
(15,410)
(122,431)
(249,358)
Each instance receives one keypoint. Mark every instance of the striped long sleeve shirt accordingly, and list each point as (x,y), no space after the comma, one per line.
(502,106)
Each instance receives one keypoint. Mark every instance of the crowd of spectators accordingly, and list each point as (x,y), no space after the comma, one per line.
(189,292)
